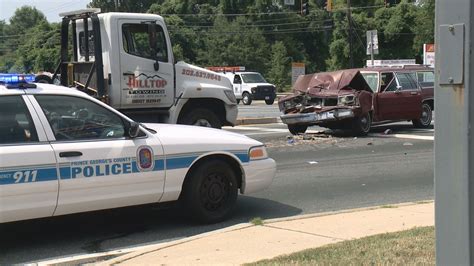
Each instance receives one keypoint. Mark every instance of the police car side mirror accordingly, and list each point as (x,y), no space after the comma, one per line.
(133,129)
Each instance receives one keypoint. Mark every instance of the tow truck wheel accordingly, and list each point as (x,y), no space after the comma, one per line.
(270,101)
(210,192)
(361,125)
(246,98)
(426,116)
(201,117)
(297,129)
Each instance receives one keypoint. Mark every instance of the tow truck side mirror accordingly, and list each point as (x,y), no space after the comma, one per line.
(132,129)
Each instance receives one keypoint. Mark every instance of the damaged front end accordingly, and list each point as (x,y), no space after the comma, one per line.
(327,99)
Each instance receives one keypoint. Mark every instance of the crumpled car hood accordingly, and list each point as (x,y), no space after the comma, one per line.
(331,83)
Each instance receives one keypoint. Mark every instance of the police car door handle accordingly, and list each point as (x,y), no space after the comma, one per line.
(70,154)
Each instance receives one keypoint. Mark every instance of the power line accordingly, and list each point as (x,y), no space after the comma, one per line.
(231,15)
(250,25)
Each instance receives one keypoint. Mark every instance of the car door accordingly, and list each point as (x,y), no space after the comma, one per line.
(28,169)
(237,83)
(399,97)
(147,78)
(100,167)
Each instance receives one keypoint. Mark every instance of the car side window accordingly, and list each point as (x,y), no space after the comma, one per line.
(406,81)
(75,118)
(237,79)
(137,41)
(16,125)
(425,78)
(388,82)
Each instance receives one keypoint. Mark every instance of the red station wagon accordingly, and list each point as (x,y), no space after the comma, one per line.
(356,99)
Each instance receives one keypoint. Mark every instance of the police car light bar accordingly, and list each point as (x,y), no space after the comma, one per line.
(17,80)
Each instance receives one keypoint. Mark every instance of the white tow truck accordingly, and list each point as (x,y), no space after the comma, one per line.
(126,61)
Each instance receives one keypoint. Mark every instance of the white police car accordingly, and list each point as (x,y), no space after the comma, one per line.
(63,152)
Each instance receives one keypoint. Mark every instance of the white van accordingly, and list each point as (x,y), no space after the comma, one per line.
(250,86)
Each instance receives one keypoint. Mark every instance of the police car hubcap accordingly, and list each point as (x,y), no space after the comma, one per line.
(213,191)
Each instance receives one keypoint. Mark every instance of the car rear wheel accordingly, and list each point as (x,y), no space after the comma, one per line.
(246,98)
(210,192)
(426,115)
(361,125)
(297,129)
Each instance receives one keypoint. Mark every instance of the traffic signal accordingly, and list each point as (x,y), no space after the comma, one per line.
(304,8)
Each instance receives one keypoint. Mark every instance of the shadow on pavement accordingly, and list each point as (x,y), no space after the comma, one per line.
(42,239)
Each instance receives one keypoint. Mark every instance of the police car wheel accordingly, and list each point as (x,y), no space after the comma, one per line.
(210,192)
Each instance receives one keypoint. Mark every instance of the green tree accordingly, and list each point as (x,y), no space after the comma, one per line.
(137,6)
(279,66)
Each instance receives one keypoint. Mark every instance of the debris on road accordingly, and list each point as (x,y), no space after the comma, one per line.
(370,143)
(290,139)
(313,162)
(407,144)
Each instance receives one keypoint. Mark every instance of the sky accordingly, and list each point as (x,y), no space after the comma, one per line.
(50,8)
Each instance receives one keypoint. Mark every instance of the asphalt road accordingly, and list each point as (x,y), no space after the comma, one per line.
(258,109)
(327,171)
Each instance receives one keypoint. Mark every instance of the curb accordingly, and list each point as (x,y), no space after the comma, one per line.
(130,253)
(157,247)
(246,225)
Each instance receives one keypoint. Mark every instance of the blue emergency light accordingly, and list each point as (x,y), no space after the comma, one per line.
(17,80)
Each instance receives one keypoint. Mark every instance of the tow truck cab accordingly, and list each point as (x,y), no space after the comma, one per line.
(126,60)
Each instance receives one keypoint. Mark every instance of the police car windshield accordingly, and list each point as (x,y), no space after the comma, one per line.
(253,78)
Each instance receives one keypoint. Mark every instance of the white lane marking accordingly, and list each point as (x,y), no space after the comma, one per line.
(404,136)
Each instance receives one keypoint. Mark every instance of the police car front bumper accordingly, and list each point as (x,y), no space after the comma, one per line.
(258,175)
(315,118)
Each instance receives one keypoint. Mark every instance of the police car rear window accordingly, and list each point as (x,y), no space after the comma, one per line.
(16,125)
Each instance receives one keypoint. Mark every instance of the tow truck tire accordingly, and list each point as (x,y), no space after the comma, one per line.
(246,98)
(210,192)
(201,117)
(297,129)
(361,125)
(426,116)
(270,101)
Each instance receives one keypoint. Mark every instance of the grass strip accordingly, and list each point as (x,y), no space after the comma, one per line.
(415,246)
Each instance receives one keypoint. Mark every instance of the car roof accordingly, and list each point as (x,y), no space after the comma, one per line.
(41,88)
(396,68)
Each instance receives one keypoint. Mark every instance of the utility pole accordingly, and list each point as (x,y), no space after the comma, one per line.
(117,5)
(349,21)
(454,135)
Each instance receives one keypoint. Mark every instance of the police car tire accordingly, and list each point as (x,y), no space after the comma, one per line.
(210,192)
(191,117)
